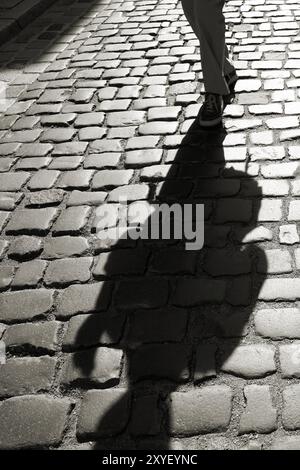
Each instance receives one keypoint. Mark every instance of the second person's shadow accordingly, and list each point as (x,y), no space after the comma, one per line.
(177,314)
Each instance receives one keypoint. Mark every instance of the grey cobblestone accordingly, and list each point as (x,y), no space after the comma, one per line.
(84,299)
(104,110)
(32,421)
(278,261)
(43,179)
(3,247)
(29,274)
(72,220)
(47,197)
(278,323)
(31,221)
(26,375)
(6,276)
(70,148)
(67,271)
(289,360)
(75,179)
(126,118)
(13,181)
(291,410)
(103,401)
(64,246)
(25,247)
(34,150)
(251,361)
(90,198)
(25,304)
(288,234)
(41,336)
(141,294)
(280,289)
(108,178)
(107,330)
(105,370)
(259,415)
(191,411)
(57,135)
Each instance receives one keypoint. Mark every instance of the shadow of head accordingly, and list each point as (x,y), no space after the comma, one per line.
(177,314)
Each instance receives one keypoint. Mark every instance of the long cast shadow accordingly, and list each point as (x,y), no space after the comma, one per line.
(178,315)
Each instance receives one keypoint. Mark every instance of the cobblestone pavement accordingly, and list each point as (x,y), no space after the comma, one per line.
(147,345)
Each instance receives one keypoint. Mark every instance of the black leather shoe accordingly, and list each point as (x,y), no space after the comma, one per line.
(211,111)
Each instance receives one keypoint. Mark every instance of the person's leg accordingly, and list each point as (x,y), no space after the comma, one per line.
(208,23)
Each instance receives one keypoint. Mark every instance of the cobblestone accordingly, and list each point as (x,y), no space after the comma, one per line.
(126,118)
(26,375)
(141,294)
(103,401)
(13,181)
(278,261)
(291,410)
(25,304)
(280,289)
(105,370)
(41,336)
(288,234)
(250,361)
(75,179)
(25,247)
(154,343)
(72,220)
(33,221)
(108,178)
(191,411)
(289,360)
(43,179)
(64,246)
(93,198)
(107,330)
(84,299)
(161,361)
(47,197)
(32,421)
(67,271)
(260,415)
(278,323)
(29,274)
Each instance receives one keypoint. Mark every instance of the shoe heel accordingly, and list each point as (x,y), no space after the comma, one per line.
(232,86)
(228,99)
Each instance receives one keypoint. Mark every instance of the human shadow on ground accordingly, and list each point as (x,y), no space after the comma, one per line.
(177,314)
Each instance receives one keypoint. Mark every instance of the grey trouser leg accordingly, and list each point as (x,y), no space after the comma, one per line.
(208,23)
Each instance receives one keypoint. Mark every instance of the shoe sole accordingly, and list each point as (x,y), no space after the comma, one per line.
(232,80)
(228,99)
